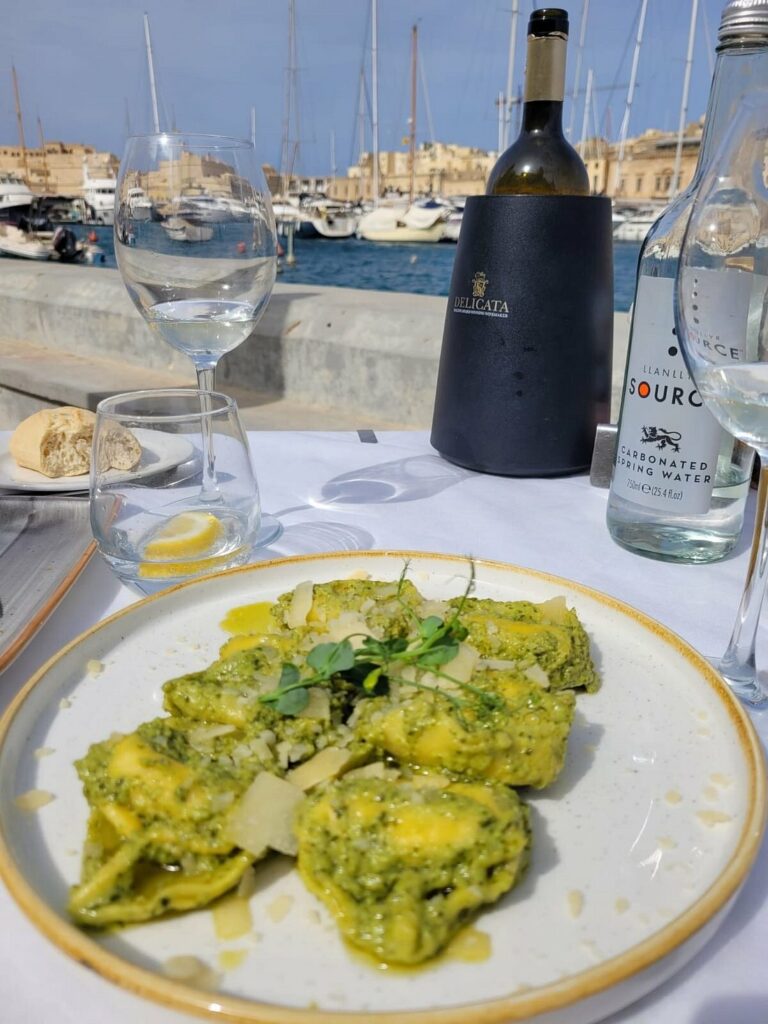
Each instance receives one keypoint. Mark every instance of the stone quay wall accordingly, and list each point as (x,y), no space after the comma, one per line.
(71,335)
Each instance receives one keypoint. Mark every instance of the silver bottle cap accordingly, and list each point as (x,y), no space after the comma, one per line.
(744,20)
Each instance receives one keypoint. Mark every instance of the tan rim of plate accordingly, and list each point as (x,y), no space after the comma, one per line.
(519,1007)
(21,641)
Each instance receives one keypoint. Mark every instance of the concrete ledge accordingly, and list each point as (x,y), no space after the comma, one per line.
(370,355)
(61,377)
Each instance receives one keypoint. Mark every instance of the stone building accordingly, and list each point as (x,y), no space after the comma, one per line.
(646,171)
(647,167)
(439,168)
(58,168)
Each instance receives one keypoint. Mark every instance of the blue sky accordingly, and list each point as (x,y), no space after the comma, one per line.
(82,68)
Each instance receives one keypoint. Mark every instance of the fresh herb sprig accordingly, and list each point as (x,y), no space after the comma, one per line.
(375,663)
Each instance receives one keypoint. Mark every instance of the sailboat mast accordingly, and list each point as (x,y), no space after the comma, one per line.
(577,72)
(674,187)
(333,153)
(630,96)
(504,141)
(253,127)
(152,83)
(42,150)
(412,119)
(375,98)
(20,121)
(587,111)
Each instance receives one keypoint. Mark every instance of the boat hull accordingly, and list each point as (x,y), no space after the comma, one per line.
(403,234)
(180,230)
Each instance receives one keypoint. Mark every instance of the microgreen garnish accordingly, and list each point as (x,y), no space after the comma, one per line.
(375,663)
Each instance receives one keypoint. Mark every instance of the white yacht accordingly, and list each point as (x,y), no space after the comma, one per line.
(178,229)
(139,203)
(327,218)
(416,223)
(634,227)
(203,208)
(13,192)
(99,193)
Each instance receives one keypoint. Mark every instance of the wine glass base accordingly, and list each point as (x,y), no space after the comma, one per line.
(270,529)
(747,688)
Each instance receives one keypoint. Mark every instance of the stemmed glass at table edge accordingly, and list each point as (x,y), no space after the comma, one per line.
(738,663)
(244,165)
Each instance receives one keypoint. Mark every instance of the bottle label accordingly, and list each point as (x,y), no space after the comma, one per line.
(668,443)
(724,319)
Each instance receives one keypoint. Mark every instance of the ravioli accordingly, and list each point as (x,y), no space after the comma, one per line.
(402,868)
(520,743)
(156,833)
(527,633)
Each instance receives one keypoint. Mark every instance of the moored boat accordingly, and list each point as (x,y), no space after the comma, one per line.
(396,224)
(635,227)
(330,219)
(99,194)
(22,244)
(139,203)
(179,229)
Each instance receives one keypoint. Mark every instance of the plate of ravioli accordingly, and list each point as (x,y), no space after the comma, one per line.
(380,786)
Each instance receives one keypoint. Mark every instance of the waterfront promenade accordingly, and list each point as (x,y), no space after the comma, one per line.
(323,358)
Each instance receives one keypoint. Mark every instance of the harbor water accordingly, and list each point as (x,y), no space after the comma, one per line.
(424,269)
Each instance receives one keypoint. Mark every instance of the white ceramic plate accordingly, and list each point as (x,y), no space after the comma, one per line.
(639,848)
(159,452)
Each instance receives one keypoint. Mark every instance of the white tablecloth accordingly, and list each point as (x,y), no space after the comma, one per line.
(333,492)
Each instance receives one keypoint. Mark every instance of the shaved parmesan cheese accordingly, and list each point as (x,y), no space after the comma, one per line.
(301,602)
(33,800)
(347,625)
(537,675)
(203,735)
(192,970)
(326,765)
(500,664)
(463,665)
(94,667)
(555,610)
(437,608)
(43,752)
(319,705)
(263,818)
(376,770)
(359,574)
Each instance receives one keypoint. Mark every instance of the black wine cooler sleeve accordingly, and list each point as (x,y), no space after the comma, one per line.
(525,366)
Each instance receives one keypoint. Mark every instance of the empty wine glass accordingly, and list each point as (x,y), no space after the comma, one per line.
(196,246)
(720,311)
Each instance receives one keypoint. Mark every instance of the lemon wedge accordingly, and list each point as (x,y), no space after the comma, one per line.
(180,570)
(185,536)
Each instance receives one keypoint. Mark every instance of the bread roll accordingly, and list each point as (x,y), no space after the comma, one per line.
(57,442)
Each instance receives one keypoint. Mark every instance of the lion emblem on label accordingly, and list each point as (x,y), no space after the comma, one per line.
(662,438)
(479,284)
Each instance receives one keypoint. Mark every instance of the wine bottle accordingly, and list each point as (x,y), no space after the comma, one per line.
(525,366)
(541,161)
(680,482)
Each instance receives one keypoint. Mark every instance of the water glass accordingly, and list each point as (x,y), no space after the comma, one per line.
(161,510)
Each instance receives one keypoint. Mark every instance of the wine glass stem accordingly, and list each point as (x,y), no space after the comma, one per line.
(738,662)
(205,382)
